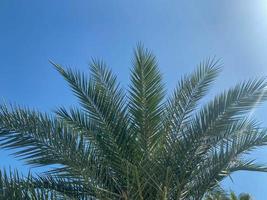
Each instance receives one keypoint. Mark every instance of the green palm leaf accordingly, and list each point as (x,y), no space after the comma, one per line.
(146,95)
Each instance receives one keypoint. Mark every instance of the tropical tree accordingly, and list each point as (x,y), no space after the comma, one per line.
(242,196)
(221,195)
(137,144)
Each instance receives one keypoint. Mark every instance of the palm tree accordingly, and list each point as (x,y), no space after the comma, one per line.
(216,194)
(138,144)
(221,195)
(242,196)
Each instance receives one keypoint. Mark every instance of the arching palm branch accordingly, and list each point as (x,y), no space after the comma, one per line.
(138,144)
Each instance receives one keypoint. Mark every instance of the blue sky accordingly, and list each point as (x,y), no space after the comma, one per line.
(180,32)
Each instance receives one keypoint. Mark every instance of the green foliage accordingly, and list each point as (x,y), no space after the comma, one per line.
(222,195)
(136,144)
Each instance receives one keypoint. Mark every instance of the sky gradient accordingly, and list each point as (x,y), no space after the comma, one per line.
(180,32)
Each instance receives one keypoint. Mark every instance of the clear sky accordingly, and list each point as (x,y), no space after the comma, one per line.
(180,32)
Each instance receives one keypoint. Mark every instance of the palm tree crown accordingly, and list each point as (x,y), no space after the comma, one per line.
(138,144)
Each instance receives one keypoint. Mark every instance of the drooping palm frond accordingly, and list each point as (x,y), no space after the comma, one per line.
(16,187)
(140,144)
(41,139)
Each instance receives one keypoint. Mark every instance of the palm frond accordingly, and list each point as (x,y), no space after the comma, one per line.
(221,163)
(146,95)
(247,165)
(41,140)
(189,91)
(15,187)
(214,120)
